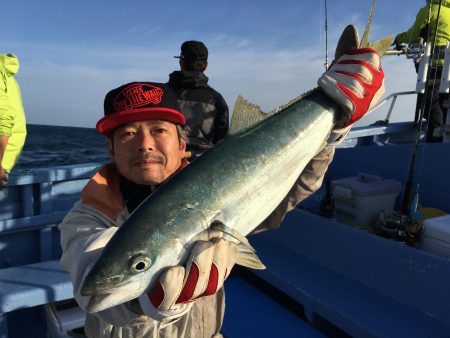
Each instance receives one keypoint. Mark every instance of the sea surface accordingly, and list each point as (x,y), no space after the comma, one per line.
(54,146)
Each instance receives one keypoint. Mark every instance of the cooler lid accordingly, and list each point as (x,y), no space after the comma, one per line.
(366,185)
(438,227)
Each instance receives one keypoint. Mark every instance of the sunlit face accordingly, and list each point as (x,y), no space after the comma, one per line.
(147,152)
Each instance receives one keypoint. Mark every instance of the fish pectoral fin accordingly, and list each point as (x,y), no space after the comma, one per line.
(248,258)
(231,232)
(246,253)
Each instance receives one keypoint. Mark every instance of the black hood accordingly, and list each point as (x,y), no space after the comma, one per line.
(188,79)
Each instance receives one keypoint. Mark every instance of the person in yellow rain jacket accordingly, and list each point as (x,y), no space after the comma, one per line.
(436,105)
(13,129)
(425,26)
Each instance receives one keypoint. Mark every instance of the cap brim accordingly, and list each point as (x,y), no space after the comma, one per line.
(110,122)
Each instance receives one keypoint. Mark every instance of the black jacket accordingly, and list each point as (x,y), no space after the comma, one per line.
(205,110)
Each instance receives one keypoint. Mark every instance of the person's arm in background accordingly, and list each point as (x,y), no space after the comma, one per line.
(414,32)
(3,143)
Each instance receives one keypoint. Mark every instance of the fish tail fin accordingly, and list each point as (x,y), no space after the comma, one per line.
(349,39)
(365,39)
(380,46)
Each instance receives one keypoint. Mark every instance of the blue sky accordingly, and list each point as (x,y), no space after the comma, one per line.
(72,52)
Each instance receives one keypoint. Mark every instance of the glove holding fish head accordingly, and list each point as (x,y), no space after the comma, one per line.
(356,82)
(208,266)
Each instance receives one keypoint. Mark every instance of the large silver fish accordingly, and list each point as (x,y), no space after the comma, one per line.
(231,188)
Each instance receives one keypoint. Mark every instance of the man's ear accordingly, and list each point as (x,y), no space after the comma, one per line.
(110,149)
(183,146)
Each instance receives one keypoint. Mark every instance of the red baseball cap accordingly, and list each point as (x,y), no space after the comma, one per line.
(137,101)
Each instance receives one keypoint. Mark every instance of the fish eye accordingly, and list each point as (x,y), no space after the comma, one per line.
(140,263)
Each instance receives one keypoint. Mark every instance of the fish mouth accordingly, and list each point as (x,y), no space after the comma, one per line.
(92,287)
(115,296)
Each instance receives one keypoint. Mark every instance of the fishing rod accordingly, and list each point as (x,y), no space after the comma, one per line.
(326,36)
(407,195)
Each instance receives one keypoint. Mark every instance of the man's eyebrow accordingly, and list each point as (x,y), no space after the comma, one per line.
(159,123)
(124,127)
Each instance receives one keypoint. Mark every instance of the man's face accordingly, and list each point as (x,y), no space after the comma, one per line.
(147,152)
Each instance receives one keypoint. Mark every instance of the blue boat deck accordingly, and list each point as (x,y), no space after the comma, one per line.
(356,281)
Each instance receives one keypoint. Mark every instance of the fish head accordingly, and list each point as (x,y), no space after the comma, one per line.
(116,282)
(120,275)
(122,266)
(145,245)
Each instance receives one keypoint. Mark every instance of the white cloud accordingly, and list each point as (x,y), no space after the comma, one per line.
(73,94)
(268,79)
(66,84)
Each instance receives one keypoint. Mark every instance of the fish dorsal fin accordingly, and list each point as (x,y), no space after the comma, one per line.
(245,115)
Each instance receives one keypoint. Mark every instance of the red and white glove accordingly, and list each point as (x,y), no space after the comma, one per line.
(356,82)
(209,264)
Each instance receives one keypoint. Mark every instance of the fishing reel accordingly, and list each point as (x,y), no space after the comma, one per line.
(392,224)
(414,50)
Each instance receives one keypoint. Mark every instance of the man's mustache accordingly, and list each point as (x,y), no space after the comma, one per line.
(148,157)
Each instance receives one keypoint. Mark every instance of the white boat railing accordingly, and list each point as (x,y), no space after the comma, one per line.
(392,97)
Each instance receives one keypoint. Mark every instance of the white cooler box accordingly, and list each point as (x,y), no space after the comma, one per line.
(358,200)
(436,235)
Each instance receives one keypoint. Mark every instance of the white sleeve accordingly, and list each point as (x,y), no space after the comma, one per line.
(84,233)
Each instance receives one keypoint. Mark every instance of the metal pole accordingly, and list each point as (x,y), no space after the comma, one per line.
(407,195)
(444,88)
(326,36)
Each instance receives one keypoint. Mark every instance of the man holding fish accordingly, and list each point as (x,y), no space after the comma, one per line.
(170,283)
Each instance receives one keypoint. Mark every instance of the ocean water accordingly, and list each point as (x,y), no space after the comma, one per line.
(54,145)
